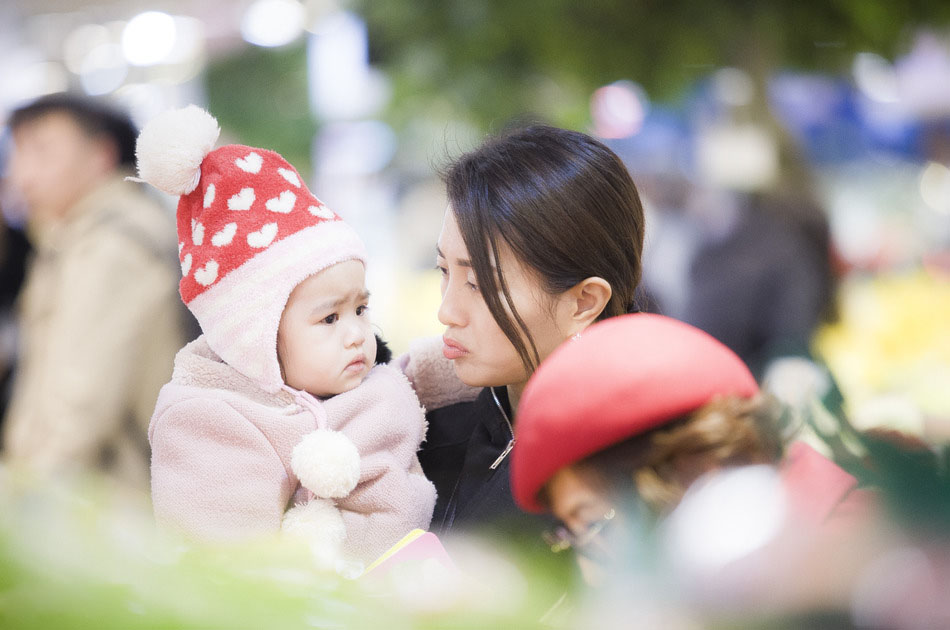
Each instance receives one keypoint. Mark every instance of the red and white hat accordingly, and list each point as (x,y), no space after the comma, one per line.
(249,231)
(620,378)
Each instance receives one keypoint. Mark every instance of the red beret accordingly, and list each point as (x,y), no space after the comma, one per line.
(621,377)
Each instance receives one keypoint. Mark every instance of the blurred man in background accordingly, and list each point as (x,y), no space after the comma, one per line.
(99,316)
(14,251)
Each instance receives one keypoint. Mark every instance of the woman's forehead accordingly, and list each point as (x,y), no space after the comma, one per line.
(574,490)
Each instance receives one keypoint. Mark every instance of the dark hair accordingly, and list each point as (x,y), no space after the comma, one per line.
(566,206)
(94,117)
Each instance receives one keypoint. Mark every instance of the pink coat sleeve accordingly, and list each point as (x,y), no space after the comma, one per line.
(215,477)
(432,375)
(383,418)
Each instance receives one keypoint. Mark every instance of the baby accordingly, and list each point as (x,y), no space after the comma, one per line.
(275,418)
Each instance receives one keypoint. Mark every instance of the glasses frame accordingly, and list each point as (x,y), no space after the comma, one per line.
(560,539)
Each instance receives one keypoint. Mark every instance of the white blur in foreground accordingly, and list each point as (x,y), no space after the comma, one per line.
(723,517)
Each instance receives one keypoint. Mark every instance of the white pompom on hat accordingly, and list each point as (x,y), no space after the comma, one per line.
(249,231)
(170,149)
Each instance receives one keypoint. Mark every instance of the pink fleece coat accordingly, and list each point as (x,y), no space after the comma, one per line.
(221,453)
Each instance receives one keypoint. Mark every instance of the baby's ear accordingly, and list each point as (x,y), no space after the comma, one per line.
(383,353)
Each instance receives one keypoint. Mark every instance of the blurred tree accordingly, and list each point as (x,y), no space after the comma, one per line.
(495,60)
(260,98)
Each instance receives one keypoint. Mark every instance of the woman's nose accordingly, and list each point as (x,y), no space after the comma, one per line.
(449,312)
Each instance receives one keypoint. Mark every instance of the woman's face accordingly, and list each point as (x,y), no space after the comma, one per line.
(579,499)
(481,353)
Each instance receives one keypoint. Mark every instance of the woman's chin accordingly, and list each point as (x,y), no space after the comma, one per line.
(468,375)
(477,378)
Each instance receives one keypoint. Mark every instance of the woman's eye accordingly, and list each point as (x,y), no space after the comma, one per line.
(330,319)
(471,285)
(442,270)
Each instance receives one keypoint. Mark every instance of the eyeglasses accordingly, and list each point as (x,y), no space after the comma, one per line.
(561,538)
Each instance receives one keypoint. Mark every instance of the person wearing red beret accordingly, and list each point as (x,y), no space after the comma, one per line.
(662,404)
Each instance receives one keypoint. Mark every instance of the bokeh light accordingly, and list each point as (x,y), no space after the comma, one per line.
(82,41)
(272,23)
(733,87)
(737,156)
(935,187)
(149,38)
(103,69)
(875,77)
(619,109)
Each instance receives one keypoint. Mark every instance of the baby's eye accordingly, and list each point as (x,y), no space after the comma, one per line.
(330,319)
(361,310)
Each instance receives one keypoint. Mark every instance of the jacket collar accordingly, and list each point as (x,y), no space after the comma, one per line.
(197,365)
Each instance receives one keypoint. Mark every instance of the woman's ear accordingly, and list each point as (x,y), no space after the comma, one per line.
(588,300)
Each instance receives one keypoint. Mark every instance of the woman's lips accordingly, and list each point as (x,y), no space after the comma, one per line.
(452,349)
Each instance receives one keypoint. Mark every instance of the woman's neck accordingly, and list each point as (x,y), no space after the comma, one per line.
(514,396)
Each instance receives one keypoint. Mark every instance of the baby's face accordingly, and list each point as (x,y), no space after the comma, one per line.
(325,343)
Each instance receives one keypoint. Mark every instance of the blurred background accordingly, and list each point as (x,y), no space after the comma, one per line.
(794,158)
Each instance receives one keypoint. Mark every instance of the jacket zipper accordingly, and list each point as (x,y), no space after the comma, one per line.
(511,430)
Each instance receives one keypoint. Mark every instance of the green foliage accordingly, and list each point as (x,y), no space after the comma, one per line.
(911,477)
(83,556)
(495,60)
(259,97)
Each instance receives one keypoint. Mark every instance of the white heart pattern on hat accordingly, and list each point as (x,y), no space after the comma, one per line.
(225,236)
(243,200)
(290,176)
(250,163)
(263,237)
(186,265)
(209,196)
(282,204)
(197,232)
(206,275)
(181,246)
(321,211)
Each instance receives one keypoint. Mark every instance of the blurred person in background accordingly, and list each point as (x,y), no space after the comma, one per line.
(14,250)
(663,404)
(761,279)
(99,316)
(542,238)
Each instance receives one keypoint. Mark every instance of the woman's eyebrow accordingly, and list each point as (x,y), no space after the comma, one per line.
(462,262)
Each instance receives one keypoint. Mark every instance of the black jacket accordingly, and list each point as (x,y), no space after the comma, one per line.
(462,443)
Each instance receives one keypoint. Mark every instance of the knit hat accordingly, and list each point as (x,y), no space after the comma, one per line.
(249,231)
(620,378)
